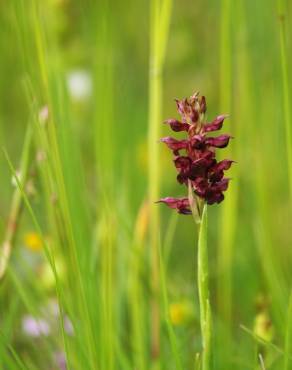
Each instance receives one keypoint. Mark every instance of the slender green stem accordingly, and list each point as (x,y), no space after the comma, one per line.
(286,94)
(171,333)
(227,223)
(48,253)
(159,26)
(288,344)
(16,206)
(203,286)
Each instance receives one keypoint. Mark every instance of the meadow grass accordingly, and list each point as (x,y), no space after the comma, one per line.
(119,268)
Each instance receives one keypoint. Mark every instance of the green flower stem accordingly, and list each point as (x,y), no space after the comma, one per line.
(203,287)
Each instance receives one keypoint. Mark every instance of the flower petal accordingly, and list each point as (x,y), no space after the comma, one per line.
(216,172)
(223,165)
(182,162)
(203,104)
(176,125)
(174,144)
(219,141)
(182,205)
(214,197)
(198,142)
(216,124)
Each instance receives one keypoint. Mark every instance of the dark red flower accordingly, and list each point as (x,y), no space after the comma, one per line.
(183,165)
(198,167)
(216,172)
(219,141)
(177,125)
(174,144)
(182,205)
(216,124)
(214,193)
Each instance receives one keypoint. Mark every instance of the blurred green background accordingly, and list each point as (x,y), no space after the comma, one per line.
(88,182)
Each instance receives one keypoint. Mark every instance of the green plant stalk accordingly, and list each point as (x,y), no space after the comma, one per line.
(155,114)
(286,92)
(259,340)
(153,178)
(48,253)
(170,330)
(228,210)
(104,141)
(271,268)
(16,205)
(288,339)
(197,362)
(159,26)
(48,79)
(136,293)
(137,309)
(203,287)
(107,294)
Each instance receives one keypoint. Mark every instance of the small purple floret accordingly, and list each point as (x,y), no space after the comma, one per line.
(182,205)
(34,327)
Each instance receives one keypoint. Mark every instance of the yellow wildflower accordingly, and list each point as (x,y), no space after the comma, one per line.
(263,326)
(179,312)
(33,241)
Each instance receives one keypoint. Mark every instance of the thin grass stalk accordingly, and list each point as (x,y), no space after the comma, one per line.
(204,295)
(136,288)
(55,162)
(137,310)
(197,362)
(48,253)
(21,365)
(271,269)
(286,90)
(155,101)
(258,340)
(170,330)
(262,363)
(288,337)
(104,75)
(47,82)
(16,205)
(227,223)
(160,11)
(107,293)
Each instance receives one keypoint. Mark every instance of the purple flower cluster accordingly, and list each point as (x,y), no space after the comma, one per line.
(197,167)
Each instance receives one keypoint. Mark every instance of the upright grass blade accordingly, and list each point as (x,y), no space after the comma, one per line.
(171,333)
(18,361)
(228,210)
(16,205)
(204,296)
(197,362)
(137,295)
(288,337)
(104,115)
(262,363)
(61,170)
(286,89)
(160,11)
(48,252)
(271,268)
